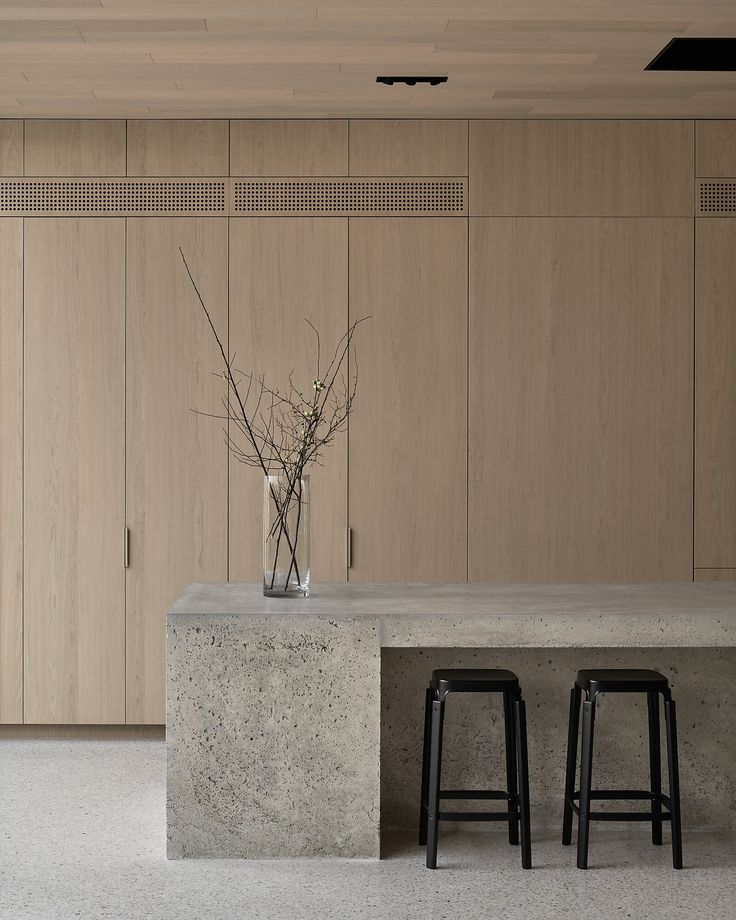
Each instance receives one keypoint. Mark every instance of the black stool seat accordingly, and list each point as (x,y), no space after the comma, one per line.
(621,680)
(473,680)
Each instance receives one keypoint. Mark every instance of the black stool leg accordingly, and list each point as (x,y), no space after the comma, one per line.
(586,769)
(573,727)
(674,771)
(655,767)
(509,719)
(435,769)
(429,696)
(523,762)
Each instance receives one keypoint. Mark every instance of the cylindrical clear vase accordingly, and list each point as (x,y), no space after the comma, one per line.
(286,536)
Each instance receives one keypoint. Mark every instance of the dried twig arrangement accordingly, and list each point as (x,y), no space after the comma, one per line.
(283,433)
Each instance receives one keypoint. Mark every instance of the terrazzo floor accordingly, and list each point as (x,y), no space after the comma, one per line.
(82,836)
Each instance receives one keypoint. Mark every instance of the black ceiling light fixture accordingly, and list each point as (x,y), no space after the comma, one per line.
(696,54)
(411,81)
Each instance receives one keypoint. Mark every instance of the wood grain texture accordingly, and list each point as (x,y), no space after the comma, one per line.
(543,168)
(176,459)
(408,435)
(715,388)
(715,148)
(83,732)
(11,147)
(182,147)
(408,147)
(281,272)
(580,394)
(11,470)
(74,635)
(280,147)
(230,59)
(74,147)
(715,574)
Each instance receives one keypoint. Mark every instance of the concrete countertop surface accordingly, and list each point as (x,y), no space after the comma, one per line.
(465,600)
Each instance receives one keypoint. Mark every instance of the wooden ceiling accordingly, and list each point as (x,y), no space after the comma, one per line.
(295,58)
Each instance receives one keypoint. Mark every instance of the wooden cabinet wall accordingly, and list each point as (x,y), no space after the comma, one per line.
(581,344)
(574,168)
(176,460)
(74,147)
(74,470)
(715,574)
(715,151)
(715,410)
(11,470)
(408,436)
(179,147)
(11,147)
(289,147)
(535,424)
(401,147)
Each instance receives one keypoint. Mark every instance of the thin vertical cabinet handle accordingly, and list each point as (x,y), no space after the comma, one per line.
(126,547)
(349,547)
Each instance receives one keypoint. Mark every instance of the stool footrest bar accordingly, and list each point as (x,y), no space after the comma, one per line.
(632,795)
(475,794)
(622,794)
(627,816)
(478,815)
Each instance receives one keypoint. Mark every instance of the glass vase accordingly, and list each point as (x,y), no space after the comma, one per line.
(285,536)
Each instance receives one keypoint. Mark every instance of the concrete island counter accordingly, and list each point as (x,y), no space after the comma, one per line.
(274,706)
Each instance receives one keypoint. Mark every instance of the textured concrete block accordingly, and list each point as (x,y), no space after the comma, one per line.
(273,737)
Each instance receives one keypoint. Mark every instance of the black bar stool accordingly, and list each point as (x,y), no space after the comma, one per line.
(616,680)
(474,680)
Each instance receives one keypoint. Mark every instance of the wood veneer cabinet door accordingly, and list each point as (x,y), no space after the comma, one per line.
(289,147)
(74,147)
(579,168)
(408,435)
(11,147)
(715,411)
(408,147)
(715,148)
(283,270)
(580,395)
(177,147)
(715,574)
(176,459)
(74,629)
(11,470)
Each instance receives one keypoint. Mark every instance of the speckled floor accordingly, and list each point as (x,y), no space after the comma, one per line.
(82,836)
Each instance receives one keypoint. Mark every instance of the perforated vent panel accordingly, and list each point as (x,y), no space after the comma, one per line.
(717,196)
(366,196)
(112,196)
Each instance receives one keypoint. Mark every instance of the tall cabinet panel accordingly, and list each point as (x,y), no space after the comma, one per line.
(176,461)
(408,436)
(74,637)
(11,470)
(581,394)
(715,425)
(282,272)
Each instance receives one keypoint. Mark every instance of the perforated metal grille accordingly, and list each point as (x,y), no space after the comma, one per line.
(110,196)
(718,196)
(349,196)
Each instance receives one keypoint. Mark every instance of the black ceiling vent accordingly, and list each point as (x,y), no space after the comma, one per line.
(411,81)
(696,54)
